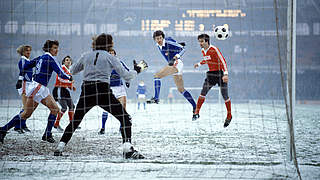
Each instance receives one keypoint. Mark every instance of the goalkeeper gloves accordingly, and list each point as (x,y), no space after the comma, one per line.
(19,84)
(140,67)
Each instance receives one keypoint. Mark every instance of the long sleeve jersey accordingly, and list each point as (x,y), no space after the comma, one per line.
(171,48)
(25,75)
(98,65)
(45,65)
(115,79)
(141,89)
(60,82)
(215,60)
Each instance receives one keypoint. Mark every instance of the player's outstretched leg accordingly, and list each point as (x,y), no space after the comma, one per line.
(157,86)
(229,116)
(130,153)
(188,96)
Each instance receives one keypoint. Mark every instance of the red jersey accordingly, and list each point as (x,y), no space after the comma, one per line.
(63,82)
(213,57)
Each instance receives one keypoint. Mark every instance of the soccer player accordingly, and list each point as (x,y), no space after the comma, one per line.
(38,91)
(118,90)
(97,66)
(172,52)
(141,94)
(61,93)
(23,82)
(217,74)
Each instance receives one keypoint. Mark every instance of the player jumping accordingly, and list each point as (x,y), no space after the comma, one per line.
(217,74)
(172,52)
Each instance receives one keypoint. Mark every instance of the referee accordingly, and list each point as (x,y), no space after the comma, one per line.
(95,90)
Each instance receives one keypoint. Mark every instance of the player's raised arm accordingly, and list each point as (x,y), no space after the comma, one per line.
(57,68)
(77,66)
(124,73)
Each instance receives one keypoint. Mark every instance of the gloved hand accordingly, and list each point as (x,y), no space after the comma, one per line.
(19,84)
(71,79)
(140,67)
(127,84)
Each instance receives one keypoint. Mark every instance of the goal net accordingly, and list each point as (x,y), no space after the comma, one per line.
(256,145)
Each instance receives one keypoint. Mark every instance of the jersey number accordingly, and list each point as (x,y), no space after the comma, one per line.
(38,66)
(95,61)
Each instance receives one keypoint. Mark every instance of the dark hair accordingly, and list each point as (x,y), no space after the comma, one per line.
(206,37)
(48,44)
(158,33)
(103,42)
(64,59)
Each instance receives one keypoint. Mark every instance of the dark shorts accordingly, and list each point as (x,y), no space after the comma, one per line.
(213,78)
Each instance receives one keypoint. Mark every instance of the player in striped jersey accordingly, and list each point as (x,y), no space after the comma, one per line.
(172,52)
(23,82)
(217,74)
(61,93)
(118,89)
(38,91)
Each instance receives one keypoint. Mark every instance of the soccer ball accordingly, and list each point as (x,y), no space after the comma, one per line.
(221,32)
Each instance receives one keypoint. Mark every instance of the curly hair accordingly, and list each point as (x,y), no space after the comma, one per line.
(48,44)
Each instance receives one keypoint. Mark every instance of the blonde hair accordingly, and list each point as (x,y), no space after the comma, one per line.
(22,48)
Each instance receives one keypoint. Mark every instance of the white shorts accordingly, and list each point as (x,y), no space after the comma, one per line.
(37,91)
(141,98)
(179,65)
(25,85)
(119,91)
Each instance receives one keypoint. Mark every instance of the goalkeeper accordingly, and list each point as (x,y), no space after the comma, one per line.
(118,90)
(172,52)
(97,66)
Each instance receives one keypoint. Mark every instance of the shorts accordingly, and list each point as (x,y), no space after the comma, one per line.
(119,91)
(61,93)
(25,85)
(37,91)
(179,65)
(141,98)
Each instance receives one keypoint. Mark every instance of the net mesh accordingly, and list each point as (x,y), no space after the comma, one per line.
(254,146)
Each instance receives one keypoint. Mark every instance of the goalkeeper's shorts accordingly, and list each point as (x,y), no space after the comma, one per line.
(37,91)
(179,65)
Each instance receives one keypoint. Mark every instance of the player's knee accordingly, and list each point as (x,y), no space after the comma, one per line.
(156,75)
(181,89)
(55,110)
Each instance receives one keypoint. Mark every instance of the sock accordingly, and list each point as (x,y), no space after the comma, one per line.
(60,114)
(144,106)
(14,121)
(71,114)
(157,85)
(138,106)
(51,120)
(228,106)
(199,103)
(104,119)
(188,96)
(19,125)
